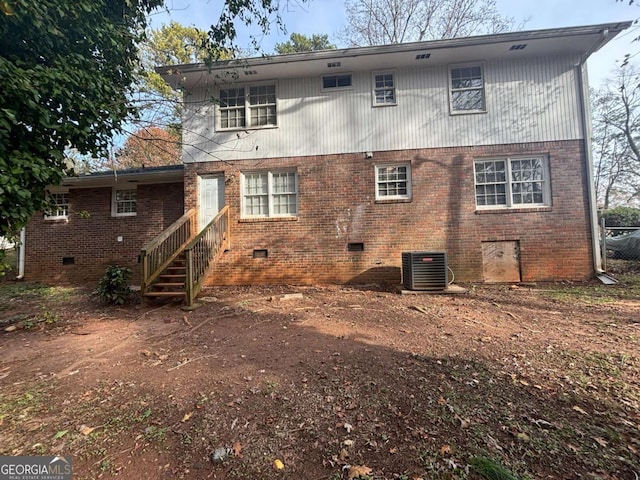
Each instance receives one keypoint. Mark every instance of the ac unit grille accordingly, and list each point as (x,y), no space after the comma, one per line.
(425,270)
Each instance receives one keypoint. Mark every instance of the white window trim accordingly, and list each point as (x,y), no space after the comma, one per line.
(270,193)
(394,197)
(247,107)
(373,88)
(483,89)
(114,210)
(546,184)
(58,190)
(336,89)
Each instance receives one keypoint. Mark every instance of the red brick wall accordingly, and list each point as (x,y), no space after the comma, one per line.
(337,206)
(92,242)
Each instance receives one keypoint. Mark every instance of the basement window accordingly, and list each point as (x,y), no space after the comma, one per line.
(260,253)
(68,260)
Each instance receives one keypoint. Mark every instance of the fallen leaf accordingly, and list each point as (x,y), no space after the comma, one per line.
(237,449)
(442,401)
(601,441)
(445,450)
(348,427)
(343,454)
(524,382)
(579,410)
(393,450)
(84,430)
(60,434)
(358,471)
(186,417)
(523,436)
(348,443)
(278,465)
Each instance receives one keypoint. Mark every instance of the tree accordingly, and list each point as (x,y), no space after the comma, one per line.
(380,22)
(299,42)
(66,70)
(616,139)
(149,147)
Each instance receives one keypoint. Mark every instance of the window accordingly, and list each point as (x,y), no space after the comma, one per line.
(124,202)
(384,91)
(259,107)
(512,182)
(393,182)
(58,206)
(467,89)
(270,194)
(330,82)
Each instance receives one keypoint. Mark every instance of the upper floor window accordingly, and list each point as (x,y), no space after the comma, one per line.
(124,202)
(384,90)
(330,82)
(242,107)
(393,182)
(512,182)
(467,89)
(270,194)
(58,206)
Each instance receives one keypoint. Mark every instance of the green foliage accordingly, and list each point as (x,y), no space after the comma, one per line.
(65,69)
(114,287)
(491,469)
(301,43)
(621,217)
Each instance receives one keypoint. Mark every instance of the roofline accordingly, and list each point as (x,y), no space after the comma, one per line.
(608,29)
(150,174)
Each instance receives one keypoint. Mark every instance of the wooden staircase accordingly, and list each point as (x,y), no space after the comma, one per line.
(176,262)
(171,282)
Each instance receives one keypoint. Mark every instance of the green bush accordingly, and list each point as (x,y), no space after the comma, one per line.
(621,217)
(114,286)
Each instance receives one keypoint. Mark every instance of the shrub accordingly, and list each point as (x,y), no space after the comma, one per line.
(114,286)
(621,217)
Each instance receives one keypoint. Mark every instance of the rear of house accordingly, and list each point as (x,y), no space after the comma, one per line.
(328,165)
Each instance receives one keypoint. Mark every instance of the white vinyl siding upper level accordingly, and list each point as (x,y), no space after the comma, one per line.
(525,100)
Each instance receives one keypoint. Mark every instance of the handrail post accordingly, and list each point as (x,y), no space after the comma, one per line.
(144,261)
(188,281)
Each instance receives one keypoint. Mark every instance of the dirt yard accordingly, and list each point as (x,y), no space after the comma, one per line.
(327,383)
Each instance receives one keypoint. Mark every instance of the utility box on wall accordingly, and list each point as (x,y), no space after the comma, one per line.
(425,270)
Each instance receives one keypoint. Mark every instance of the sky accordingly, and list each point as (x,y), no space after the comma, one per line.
(328,16)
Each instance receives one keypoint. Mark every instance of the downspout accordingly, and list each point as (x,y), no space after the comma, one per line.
(583,95)
(22,254)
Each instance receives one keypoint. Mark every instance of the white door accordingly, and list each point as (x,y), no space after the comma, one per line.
(210,198)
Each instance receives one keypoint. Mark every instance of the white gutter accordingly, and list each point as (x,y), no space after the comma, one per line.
(583,93)
(22,255)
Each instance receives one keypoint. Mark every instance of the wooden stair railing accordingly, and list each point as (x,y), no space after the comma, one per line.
(200,253)
(160,252)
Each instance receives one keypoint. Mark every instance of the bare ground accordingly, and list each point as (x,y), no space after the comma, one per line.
(331,381)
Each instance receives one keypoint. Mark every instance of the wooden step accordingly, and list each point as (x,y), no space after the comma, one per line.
(164,294)
(176,267)
(167,284)
(171,275)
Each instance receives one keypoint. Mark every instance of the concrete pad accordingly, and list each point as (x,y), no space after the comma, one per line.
(450,290)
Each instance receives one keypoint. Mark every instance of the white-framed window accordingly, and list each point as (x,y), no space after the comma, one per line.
(467,89)
(335,82)
(58,208)
(384,89)
(393,181)
(253,106)
(512,182)
(270,194)
(124,202)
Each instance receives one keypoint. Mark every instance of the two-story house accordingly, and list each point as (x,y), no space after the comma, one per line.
(328,165)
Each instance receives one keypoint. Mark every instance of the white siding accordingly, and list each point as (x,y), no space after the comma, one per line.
(527,101)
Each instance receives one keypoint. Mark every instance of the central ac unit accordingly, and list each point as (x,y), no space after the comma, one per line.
(425,270)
